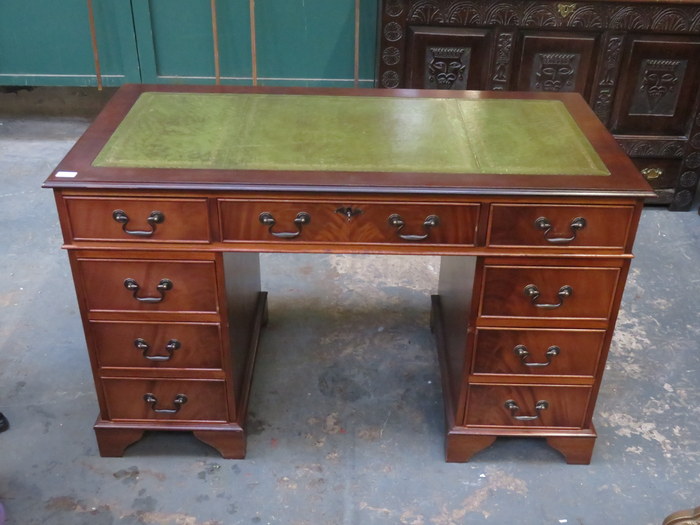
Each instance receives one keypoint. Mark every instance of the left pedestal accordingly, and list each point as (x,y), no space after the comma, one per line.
(172,337)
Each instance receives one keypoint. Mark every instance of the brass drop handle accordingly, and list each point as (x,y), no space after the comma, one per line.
(397,222)
(514,409)
(170,347)
(544,224)
(523,353)
(163,286)
(302,219)
(533,293)
(154,218)
(180,399)
(652,173)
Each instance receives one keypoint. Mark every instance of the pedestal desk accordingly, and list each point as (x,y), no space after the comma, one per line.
(171,194)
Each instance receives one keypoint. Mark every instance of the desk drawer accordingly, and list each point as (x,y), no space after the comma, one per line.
(149,285)
(532,406)
(504,351)
(348,222)
(552,226)
(132,219)
(156,345)
(181,399)
(548,292)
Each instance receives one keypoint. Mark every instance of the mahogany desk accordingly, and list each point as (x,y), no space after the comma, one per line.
(170,195)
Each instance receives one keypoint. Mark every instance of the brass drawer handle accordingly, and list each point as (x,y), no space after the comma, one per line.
(163,286)
(543,223)
(154,218)
(397,222)
(523,353)
(533,293)
(302,219)
(652,173)
(170,347)
(180,399)
(514,409)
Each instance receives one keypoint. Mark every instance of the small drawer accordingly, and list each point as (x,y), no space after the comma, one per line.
(348,222)
(548,292)
(130,219)
(527,406)
(156,345)
(181,399)
(551,226)
(149,285)
(504,351)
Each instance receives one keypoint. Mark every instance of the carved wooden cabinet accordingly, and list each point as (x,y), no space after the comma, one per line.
(636,63)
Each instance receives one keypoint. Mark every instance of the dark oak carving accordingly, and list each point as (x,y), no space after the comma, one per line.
(554,71)
(447,67)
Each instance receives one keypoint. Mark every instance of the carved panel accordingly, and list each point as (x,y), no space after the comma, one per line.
(554,71)
(652,148)
(658,87)
(446,67)
(608,78)
(541,15)
(502,68)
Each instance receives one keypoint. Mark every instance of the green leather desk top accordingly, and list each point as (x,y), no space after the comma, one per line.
(239,131)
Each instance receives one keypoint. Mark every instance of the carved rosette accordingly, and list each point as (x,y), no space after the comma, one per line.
(690,173)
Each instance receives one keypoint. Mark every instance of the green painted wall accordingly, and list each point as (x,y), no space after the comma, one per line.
(299,42)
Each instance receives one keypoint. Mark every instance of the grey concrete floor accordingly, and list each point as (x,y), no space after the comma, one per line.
(346,416)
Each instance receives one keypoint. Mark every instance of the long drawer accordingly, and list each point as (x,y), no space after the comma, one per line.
(537,352)
(156,345)
(137,219)
(160,399)
(548,292)
(527,406)
(348,222)
(124,285)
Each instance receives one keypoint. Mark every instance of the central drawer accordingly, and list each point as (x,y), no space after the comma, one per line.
(179,399)
(156,345)
(361,222)
(123,285)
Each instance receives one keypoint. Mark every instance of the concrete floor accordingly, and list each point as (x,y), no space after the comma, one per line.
(346,416)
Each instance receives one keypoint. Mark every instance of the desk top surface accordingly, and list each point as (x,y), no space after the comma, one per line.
(290,139)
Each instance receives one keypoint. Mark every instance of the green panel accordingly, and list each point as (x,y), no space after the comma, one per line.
(48,42)
(299,42)
(175,40)
(324,133)
(312,41)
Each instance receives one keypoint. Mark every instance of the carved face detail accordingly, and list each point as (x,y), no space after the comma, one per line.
(445,73)
(659,79)
(555,71)
(447,66)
